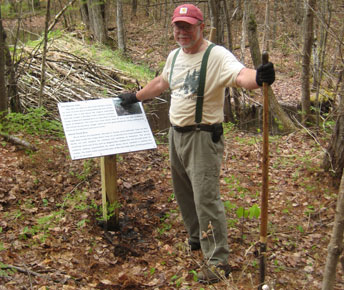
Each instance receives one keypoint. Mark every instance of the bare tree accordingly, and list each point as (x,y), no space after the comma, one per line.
(84,13)
(244,31)
(10,74)
(96,14)
(3,93)
(214,7)
(120,27)
(239,10)
(339,51)
(297,8)
(147,7)
(325,12)
(274,23)
(334,160)
(45,43)
(228,110)
(266,35)
(306,60)
(275,107)
(228,25)
(133,8)
(335,247)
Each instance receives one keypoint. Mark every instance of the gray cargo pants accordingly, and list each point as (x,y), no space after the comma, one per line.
(195,166)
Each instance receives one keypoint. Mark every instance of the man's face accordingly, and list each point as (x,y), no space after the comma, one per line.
(185,34)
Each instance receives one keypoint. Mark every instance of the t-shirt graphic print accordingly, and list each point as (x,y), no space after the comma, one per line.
(191,81)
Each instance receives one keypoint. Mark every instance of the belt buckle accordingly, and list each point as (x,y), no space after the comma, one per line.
(198,127)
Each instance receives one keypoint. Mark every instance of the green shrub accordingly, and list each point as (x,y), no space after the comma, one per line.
(34,122)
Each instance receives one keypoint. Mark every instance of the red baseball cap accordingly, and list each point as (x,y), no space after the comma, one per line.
(188,13)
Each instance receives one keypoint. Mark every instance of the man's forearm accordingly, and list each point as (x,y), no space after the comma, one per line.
(153,89)
(247,79)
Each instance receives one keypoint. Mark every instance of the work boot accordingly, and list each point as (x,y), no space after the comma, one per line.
(194,246)
(213,273)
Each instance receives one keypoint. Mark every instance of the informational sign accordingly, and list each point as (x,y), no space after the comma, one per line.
(103,127)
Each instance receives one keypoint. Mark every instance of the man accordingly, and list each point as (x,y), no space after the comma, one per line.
(195,139)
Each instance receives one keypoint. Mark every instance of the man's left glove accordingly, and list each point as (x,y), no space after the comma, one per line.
(266,74)
(128,99)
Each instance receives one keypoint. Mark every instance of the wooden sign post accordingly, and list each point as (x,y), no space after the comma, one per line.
(108,166)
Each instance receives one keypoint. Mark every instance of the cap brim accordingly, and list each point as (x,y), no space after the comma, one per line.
(189,20)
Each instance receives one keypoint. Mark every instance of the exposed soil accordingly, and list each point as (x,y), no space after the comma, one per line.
(50,206)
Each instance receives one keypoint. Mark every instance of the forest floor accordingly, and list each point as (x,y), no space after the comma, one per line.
(50,206)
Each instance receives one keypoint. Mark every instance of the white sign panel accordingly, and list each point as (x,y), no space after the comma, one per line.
(103,127)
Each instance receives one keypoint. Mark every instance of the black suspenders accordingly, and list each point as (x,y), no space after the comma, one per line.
(201,85)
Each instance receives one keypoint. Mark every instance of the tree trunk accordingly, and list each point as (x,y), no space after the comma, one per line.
(320,52)
(84,14)
(229,116)
(334,160)
(166,19)
(215,19)
(228,25)
(274,24)
(96,12)
(65,19)
(120,27)
(297,11)
(228,104)
(239,13)
(306,60)
(286,123)
(335,247)
(3,93)
(266,36)
(44,55)
(36,4)
(12,93)
(337,57)
(133,8)
(147,9)
(244,31)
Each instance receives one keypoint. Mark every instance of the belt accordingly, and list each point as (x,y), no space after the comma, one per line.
(199,127)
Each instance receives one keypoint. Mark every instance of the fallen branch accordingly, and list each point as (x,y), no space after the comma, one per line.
(17,141)
(22,270)
(33,273)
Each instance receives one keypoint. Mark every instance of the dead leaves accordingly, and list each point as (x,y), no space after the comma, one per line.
(68,243)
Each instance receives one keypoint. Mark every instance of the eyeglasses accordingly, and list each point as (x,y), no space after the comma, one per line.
(184,26)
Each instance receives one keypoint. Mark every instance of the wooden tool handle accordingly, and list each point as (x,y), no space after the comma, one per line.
(265,181)
(265,57)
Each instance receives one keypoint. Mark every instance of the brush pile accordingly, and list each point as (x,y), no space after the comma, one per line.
(68,78)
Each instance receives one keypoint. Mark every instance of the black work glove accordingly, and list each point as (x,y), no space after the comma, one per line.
(127,99)
(266,74)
